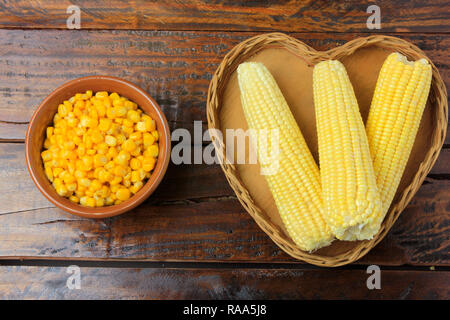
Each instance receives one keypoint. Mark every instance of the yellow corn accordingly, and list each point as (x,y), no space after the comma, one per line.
(92,147)
(350,195)
(295,186)
(397,105)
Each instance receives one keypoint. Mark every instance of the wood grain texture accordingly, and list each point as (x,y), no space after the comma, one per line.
(193,216)
(173,67)
(162,283)
(299,16)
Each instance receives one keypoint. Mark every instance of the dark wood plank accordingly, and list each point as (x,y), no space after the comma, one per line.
(163,283)
(442,165)
(173,67)
(299,16)
(194,216)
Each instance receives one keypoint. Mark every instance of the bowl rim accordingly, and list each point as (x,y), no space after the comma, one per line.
(106,211)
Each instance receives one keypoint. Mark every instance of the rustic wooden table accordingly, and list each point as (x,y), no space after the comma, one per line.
(192,238)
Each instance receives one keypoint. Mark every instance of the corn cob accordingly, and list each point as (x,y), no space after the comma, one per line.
(397,105)
(350,195)
(295,186)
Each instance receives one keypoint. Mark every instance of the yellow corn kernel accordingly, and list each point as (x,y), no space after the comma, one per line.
(135,135)
(68,178)
(148,164)
(101,94)
(127,123)
(90,202)
(136,152)
(56,118)
(111,113)
(150,124)
(71,187)
(126,183)
(49,131)
(100,202)
(114,189)
(122,158)
(74,199)
(62,190)
(85,182)
(102,148)
(136,186)
(47,143)
(148,139)
(112,153)
(46,155)
(140,126)
(127,130)
(57,171)
(133,116)
(100,160)
(104,176)
(87,162)
(123,194)
(110,166)
(63,110)
(72,122)
(79,174)
(69,145)
(114,96)
(155,134)
(104,124)
(95,185)
(80,104)
(111,141)
(121,138)
(97,137)
(120,171)
(135,176)
(109,201)
(116,180)
(121,111)
(80,192)
(117,103)
(135,164)
(83,200)
(49,173)
(153,150)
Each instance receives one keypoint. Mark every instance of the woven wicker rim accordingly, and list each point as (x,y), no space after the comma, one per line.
(251,46)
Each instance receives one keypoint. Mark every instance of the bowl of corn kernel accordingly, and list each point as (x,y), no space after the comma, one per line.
(97,146)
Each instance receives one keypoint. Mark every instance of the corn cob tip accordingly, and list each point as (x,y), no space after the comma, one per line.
(246,66)
(403,59)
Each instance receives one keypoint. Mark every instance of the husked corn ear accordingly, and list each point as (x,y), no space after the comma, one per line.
(397,105)
(350,196)
(295,186)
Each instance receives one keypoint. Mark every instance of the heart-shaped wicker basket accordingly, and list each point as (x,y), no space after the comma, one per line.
(291,62)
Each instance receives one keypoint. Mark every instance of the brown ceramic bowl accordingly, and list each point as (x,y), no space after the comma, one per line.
(43,116)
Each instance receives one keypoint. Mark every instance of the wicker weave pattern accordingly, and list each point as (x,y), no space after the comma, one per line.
(248,48)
